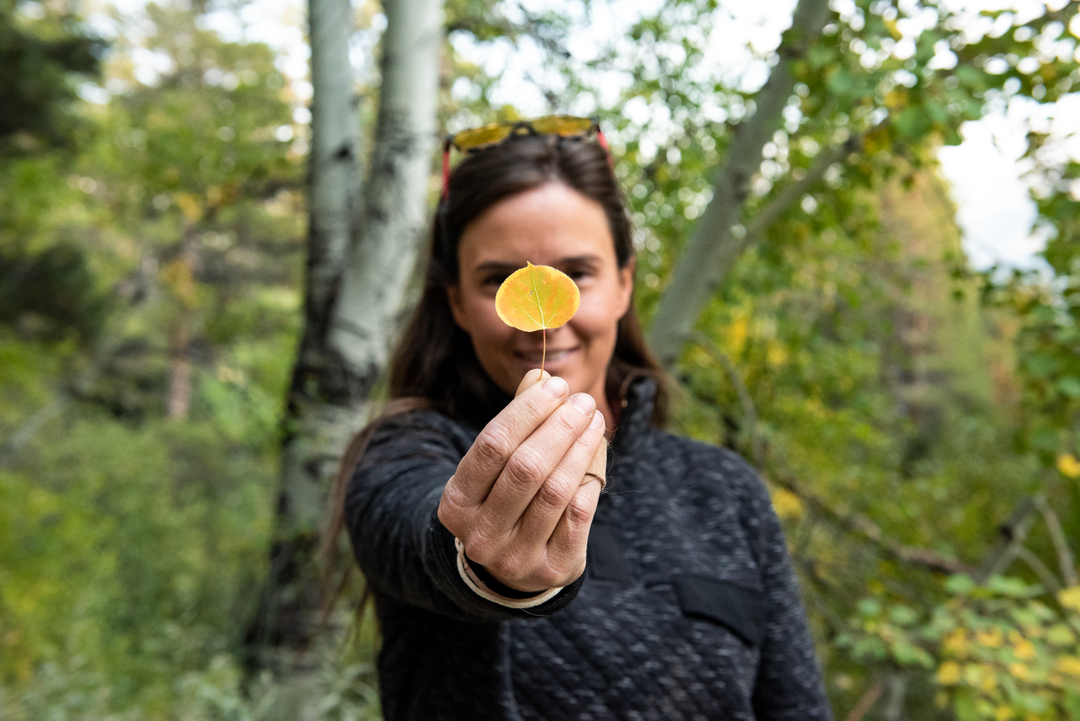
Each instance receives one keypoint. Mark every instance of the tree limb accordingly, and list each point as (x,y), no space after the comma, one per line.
(866,701)
(1066,562)
(1011,536)
(1046,577)
(689,290)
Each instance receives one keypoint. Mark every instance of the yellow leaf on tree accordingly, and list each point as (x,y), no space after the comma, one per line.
(787,504)
(948,673)
(1068,465)
(1070,598)
(1069,665)
(537,297)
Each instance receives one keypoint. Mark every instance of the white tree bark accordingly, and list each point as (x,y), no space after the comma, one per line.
(288,609)
(713,247)
(334,166)
(394,216)
(359,261)
(334,187)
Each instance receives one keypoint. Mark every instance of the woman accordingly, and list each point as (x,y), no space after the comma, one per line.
(506,585)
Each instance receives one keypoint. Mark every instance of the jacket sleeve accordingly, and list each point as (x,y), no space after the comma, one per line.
(391,506)
(789,685)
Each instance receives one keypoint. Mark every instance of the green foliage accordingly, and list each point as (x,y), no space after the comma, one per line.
(997,652)
(150,294)
(149,310)
(40,62)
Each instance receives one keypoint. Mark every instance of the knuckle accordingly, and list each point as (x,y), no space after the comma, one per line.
(538,404)
(454,501)
(552,495)
(579,512)
(446,516)
(552,577)
(506,567)
(526,468)
(493,446)
(569,421)
(480,549)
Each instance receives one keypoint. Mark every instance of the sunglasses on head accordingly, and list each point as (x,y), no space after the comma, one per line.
(486,136)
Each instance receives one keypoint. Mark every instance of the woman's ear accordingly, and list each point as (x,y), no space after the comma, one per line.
(453,296)
(626,285)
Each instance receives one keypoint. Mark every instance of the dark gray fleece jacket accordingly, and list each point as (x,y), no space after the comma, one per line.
(688,608)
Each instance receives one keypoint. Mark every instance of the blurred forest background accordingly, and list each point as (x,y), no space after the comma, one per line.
(178,377)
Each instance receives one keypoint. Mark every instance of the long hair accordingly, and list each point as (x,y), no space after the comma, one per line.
(434,365)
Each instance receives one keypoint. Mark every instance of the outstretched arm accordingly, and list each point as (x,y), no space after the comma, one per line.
(513,496)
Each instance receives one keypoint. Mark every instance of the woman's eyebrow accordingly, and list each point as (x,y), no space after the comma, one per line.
(491,265)
(579,259)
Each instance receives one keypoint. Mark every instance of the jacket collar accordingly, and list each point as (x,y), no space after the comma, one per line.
(635,417)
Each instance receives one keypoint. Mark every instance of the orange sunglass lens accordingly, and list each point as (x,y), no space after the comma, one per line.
(561,125)
(483,135)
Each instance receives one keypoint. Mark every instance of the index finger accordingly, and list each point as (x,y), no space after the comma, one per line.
(484,461)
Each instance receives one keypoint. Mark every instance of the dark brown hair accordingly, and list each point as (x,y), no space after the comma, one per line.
(434,365)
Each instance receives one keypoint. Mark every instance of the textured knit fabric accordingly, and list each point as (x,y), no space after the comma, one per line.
(688,609)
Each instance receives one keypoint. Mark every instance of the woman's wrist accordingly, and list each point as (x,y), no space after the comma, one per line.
(482,583)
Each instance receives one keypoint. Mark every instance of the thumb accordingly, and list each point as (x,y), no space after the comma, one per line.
(531,378)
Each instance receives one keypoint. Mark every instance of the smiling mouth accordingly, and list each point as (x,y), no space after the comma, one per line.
(552,355)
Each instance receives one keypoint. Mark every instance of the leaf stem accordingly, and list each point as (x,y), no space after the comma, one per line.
(543,353)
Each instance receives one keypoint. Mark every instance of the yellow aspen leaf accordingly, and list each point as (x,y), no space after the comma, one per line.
(537,297)
(1019,671)
(787,504)
(1070,598)
(1024,650)
(956,642)
(948,673)
(991,639)
(1068,665)
(189,206)
(1068,465)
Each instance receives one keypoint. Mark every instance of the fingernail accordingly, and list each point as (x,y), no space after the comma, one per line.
(556,387)
(583,402)
(597,420)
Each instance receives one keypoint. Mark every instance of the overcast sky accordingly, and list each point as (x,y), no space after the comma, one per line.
(994,210)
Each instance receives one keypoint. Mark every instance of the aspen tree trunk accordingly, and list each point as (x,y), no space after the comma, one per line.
(713,248)
(395,210)
(360,259)
(319,387)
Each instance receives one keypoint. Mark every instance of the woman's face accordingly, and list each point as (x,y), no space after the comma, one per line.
(548,225)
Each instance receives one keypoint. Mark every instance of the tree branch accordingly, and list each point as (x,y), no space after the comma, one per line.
(1066,562)
(690,288)
(1011,536)
(1046,577)
(866,702)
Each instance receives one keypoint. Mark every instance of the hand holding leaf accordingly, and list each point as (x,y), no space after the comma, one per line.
(538,297)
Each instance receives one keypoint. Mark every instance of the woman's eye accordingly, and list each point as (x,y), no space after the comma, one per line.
(495,280)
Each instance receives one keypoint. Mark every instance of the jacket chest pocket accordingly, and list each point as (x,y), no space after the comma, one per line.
(736,608)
